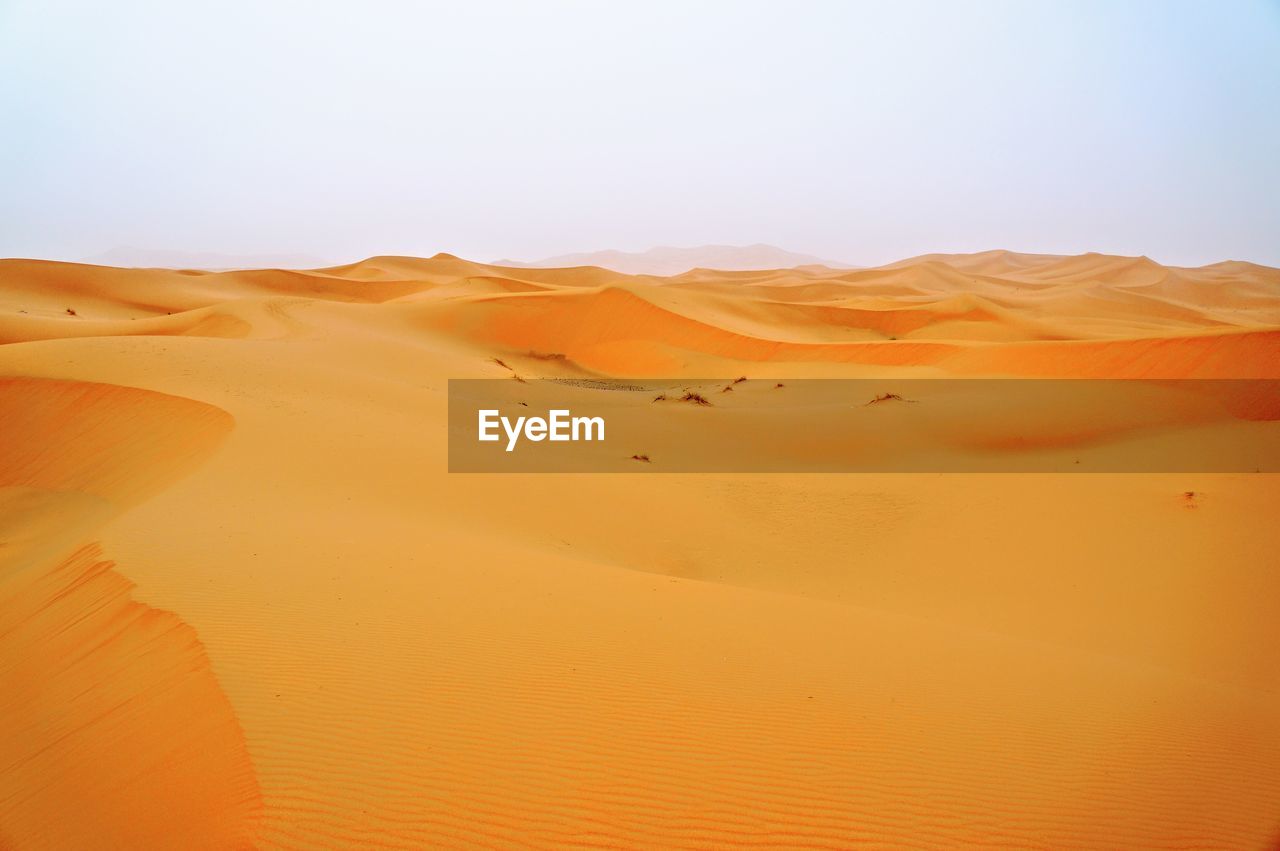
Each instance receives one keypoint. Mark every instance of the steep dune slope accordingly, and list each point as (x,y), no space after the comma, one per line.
(115,733)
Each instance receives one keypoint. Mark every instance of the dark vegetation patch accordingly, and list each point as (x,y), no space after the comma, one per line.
(888,397)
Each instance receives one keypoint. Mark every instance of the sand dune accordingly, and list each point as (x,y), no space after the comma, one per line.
(153,258)
(116,733)
(242,604)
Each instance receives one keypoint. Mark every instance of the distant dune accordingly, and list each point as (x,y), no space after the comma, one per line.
(243,604)
(152,258)
(665,260)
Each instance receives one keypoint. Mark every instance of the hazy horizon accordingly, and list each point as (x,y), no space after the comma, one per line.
(142,257)
(860,133)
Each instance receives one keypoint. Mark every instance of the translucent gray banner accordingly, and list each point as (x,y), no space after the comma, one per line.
(745,425)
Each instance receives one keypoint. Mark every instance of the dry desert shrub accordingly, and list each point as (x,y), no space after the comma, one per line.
(889,397)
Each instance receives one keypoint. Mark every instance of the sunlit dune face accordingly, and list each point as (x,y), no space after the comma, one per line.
(115,732)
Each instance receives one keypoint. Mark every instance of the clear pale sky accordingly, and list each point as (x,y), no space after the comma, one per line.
(861,132)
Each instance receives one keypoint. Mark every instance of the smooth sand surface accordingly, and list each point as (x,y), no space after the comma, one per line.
(243,604)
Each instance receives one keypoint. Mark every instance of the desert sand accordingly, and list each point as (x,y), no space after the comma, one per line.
(243,603)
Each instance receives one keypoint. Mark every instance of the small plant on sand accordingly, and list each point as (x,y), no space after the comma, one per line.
(728,388)
(739,379)
(644,458)
(661,397)
(695,398)
(889,397)
(779,386)
(71,312)
(517,378)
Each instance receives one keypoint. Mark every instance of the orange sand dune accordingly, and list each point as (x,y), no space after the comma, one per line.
(115,732)
(243,604)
